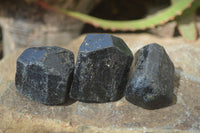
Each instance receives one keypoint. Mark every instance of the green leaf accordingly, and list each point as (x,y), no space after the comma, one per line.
(186,22)
(187,26)
(149,22)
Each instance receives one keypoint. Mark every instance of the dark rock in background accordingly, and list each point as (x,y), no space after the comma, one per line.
(152,78)
(1,45)
(44,74)
(101,70)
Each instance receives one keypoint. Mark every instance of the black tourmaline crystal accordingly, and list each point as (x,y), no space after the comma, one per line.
(152,78)
(44,74)
(101,70)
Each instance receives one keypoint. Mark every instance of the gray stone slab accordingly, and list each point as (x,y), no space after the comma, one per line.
(20,114)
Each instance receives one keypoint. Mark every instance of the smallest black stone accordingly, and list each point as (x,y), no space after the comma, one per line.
(44,74)
(151,81)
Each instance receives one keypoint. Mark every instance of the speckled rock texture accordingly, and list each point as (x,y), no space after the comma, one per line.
(102,69)
(19,114)
(151,81)
(44,74)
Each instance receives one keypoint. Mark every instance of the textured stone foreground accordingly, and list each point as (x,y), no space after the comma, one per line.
(19,114)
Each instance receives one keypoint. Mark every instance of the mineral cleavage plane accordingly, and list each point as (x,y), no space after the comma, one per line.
(102,68)
(151,80)
(44,74)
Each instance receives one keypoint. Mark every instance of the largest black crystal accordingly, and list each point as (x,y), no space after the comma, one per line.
(101,69)
(152,78)
(44,74)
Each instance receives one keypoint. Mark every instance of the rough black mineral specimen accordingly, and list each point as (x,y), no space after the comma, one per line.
(101,69)
(44,74)
(152,78)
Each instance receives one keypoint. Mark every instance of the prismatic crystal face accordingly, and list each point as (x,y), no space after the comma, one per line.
(44,74)
(152,78)
(101,70)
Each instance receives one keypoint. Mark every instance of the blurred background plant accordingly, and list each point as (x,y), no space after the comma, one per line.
(181,11)
(25,23)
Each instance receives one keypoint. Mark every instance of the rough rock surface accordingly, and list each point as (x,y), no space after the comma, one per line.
(19,114)
(151,81)
(44,74)
(102,69)
(26,24)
